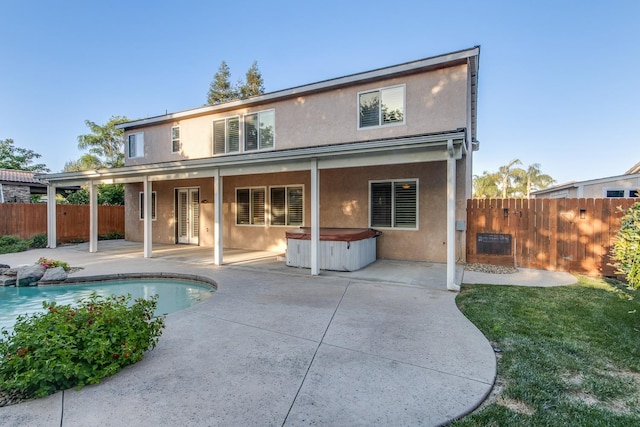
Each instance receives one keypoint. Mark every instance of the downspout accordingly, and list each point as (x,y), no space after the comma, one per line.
(451,218)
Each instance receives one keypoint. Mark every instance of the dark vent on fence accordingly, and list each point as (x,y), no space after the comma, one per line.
(493,244)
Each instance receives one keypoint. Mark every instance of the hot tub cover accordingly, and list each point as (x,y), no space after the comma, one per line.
(335,234)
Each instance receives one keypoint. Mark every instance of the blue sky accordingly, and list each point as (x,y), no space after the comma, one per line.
(558,79)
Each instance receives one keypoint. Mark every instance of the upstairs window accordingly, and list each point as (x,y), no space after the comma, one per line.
(250,205)
(394,204)
(135,143)
(259,130)
(175,139)
(287,205)
(381,107)
(226,135)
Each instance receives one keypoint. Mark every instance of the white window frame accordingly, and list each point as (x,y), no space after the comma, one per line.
(174,140)
(154,206)
(258,114)
(251,219)
(380,123)
(138,140)
(286,205)
(226,134)
(393,203)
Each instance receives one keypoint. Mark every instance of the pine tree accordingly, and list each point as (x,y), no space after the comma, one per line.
(254,85)
(221,89)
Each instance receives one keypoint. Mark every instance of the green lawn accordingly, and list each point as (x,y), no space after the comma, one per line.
(568,356)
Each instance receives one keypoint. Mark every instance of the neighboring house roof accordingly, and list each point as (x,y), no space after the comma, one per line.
(634,169)
(576,184)
(467,56)
(12,176)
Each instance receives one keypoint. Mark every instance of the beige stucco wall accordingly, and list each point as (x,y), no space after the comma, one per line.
(344,203)
(436,101)
(164,227)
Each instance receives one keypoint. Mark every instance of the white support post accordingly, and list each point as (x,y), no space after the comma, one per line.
(451,219)
(315,218)
(147,221)
(218,251)
(51,217)
(93,217)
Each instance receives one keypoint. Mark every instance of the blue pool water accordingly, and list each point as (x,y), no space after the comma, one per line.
(174,295)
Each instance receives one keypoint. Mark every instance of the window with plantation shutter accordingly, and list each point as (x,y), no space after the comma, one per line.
(287,205)
(381,107)
(226,135)
(394,204)
(154,205)
(175,139)
(250,206)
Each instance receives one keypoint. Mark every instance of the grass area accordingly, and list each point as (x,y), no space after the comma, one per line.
(567,356)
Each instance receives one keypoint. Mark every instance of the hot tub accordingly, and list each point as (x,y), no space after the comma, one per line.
(341,249)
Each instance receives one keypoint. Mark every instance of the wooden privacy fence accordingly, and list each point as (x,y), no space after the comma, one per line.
(550,234)
(72,221)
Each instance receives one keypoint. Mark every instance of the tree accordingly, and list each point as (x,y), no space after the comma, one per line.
(625,253)
(253,84)
(12,157)
(508,175)
(532,179)
(86,162)
(105,142)
(220,89)
(485,186)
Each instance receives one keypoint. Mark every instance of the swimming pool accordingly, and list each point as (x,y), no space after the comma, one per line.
(173,294)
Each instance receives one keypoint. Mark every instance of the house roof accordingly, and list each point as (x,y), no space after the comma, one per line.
(634,169)
(12,176)
(466,56)
(576,184)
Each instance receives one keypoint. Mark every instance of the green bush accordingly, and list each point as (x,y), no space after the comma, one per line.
(39,241)
(11,244)
(626,251)
(69,346)
(112,235)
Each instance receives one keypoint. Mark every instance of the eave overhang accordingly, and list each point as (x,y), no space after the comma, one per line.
(422,148)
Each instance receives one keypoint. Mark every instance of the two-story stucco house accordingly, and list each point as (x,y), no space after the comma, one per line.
(389,149)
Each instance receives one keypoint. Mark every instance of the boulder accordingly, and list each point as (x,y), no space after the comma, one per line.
(55,274)
(5,266)
(7,281)
(11,272)
(28,275)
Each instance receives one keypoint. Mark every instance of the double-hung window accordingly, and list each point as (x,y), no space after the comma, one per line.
(226,135)
(175,139)
(287,205)
(394,204)
(135,145)
(153,205)
(381,107)
(259,130)
(250,206)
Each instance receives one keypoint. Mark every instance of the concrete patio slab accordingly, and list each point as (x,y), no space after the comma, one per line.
(276,347)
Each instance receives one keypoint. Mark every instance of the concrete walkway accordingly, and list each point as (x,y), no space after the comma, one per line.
(275,346)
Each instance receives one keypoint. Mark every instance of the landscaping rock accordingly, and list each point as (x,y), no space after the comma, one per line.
(28,275)
(5,266)
(7,281)
(11,272)
(2,270)
(55,274)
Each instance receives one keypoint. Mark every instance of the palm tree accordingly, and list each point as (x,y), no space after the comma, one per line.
(508,175)
(485,186)
(533,179)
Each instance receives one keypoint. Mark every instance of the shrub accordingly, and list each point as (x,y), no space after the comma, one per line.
(51,263)
(112,235)
(626,251)
(39,241)
(69,346)
(11,244)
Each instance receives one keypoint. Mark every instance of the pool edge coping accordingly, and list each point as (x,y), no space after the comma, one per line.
(126,276)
